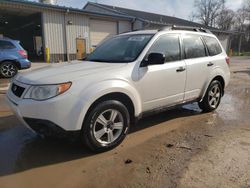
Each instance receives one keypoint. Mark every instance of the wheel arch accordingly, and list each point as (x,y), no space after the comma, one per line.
(121,91)
(13,61)
(215,77)
(118,96)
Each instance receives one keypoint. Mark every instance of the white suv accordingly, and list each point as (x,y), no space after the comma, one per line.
(125,77)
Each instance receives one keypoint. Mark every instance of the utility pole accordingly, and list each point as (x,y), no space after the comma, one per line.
(240,41)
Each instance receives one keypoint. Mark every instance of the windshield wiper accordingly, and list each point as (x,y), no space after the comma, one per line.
(98,60)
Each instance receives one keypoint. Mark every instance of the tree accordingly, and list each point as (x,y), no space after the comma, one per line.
(208,10)
(225,19)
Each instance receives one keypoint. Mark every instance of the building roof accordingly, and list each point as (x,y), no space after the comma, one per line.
(147,17)
(64,8)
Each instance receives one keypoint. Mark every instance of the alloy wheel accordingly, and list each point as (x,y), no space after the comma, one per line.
(108,126)
(214,96)
(8,70)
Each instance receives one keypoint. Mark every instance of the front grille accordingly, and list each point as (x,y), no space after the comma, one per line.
(17,90)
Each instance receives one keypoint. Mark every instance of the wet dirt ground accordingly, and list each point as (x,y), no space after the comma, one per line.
(178,148)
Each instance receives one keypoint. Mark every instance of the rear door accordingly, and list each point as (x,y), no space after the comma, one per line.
(163,85)
(7,50)
(198,65)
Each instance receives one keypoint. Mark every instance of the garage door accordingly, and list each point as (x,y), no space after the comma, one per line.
(100,29)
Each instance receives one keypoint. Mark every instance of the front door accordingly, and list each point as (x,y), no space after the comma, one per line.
(80,48)
(163,85)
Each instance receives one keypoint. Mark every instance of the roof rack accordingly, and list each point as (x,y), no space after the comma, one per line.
(188,28)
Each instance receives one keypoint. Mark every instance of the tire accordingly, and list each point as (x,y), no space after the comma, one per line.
(112,131)
(8,69)
(212,98)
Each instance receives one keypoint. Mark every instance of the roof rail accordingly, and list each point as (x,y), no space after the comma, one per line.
(174,27)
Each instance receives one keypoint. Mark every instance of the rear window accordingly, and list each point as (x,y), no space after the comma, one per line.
(6,45)
(213,46)
(193,46)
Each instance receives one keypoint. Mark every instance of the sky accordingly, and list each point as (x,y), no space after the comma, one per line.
(177,8)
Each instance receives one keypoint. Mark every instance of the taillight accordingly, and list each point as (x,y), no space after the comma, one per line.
(228,60)
(23,53)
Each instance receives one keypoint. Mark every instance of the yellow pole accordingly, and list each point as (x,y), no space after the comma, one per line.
(231,53)
(47,55)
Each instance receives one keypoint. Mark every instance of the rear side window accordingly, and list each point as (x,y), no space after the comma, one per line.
(169,46)
(193,46)
(6,45)
(212,45)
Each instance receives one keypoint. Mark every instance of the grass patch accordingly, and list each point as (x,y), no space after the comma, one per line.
(241,54)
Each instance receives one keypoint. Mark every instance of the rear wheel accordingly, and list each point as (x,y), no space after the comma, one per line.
(8,69)
(212,97)
(106,126)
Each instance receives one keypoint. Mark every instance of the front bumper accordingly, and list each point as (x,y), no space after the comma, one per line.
(59,114)
(48,128)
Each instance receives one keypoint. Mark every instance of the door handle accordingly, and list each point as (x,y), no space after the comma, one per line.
(210,64)
(180,69)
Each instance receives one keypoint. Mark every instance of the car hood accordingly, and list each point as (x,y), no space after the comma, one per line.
(64,72)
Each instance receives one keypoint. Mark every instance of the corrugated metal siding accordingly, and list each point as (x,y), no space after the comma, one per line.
(124,26)
(138,25)
(78,29)
(54,33)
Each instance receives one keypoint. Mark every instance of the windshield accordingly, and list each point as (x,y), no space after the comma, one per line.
(123,48)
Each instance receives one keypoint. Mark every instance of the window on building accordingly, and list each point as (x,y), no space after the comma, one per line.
(193,46)
(212,45)
(169,46)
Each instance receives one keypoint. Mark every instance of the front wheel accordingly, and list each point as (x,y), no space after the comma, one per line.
(106,126)
(212,97)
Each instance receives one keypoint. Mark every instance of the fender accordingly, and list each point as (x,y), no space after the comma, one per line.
(215,72)
(90,94)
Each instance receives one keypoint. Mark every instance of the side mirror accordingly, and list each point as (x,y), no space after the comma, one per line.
(155,59)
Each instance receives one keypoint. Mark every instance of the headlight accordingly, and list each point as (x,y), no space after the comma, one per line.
(43,92)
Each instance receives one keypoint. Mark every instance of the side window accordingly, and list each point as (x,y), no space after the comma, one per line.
(193,46)
(213,46)
(6,45)
(169,46)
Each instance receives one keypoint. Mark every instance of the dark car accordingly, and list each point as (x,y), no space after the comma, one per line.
(12,58)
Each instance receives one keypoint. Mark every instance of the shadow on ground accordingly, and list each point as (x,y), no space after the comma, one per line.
(243,71)
(21,149)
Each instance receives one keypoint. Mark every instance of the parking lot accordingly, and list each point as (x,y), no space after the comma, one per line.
(177,148)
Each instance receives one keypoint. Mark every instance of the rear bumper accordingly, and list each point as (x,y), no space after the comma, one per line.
(24,63)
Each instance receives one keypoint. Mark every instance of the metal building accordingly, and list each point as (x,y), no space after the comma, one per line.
(56,33)
(62,32)
(147,20)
